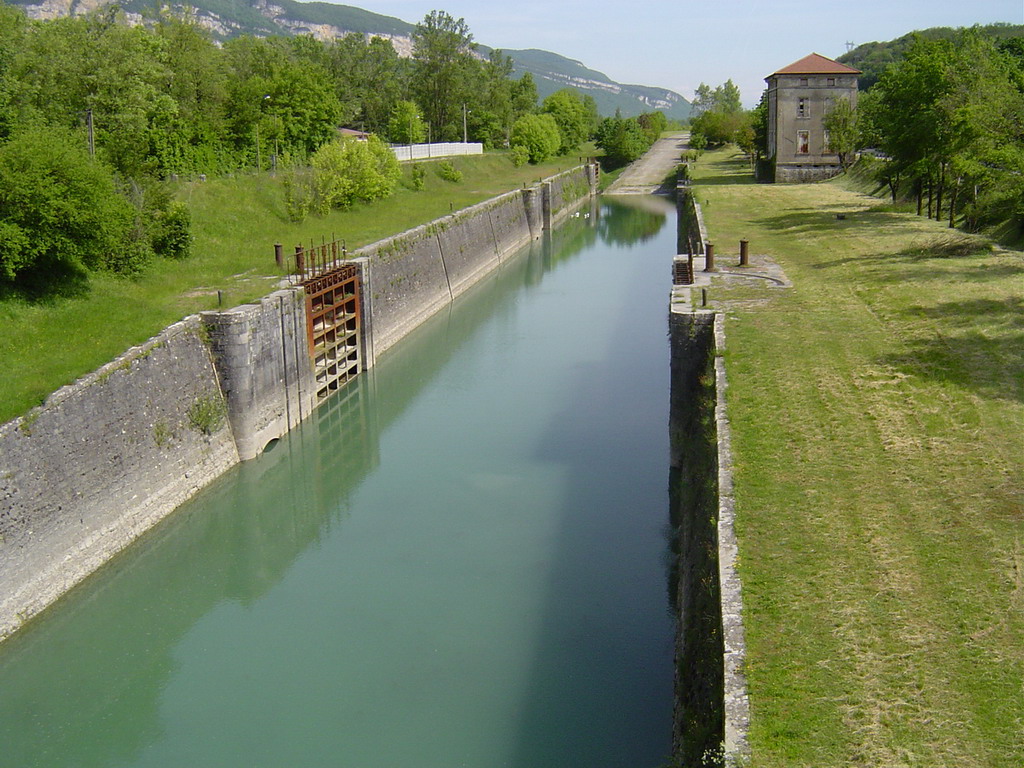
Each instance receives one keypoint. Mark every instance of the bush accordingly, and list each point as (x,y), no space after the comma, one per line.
(418,177)
(344,172)
(520,156)
(538,134)
(60,207)
(173,236)
(449,172)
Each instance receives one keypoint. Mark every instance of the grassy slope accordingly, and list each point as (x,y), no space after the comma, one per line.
(879,431)
(46,344)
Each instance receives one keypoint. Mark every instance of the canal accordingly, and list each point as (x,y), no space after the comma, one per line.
(461,560)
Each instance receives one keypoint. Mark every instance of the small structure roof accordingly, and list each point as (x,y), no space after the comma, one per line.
(816,64)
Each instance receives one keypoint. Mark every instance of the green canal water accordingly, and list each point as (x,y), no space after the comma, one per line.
(461,560)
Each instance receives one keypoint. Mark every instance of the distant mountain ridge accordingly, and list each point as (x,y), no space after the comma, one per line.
(261,18)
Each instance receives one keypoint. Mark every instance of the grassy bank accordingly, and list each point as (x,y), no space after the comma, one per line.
(48,342)
(878,418)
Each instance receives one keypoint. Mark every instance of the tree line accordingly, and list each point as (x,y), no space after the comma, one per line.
(943,125)
(106,111)
(948,123)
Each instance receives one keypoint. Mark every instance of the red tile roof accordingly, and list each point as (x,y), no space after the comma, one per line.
(816,64)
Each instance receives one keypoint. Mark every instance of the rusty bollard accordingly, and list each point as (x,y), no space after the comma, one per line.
(709,257)
(279,255)
(300,260)
(743,253)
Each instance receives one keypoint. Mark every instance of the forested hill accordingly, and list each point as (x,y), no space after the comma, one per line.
(231,18)
(873,58)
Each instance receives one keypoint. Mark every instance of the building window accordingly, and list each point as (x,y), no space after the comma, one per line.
(802,108)
(803,81)
(828,144)
(803,142)
(830,81)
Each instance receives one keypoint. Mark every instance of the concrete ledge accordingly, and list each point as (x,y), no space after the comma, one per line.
(737,703)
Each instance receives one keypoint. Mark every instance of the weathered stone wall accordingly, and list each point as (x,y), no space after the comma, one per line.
(711,704)
(103,460)
(106,458)
(262,356)
(411,276)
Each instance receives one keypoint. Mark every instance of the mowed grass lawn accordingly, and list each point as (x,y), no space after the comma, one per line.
(48,342)
(878,416)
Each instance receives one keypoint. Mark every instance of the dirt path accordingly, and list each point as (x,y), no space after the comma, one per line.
(645,176)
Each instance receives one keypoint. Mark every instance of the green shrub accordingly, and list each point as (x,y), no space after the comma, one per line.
(60,207)
(520,155)
(538,134)
(207,413)
(418,177)
(173,236)
(349,171)
(449,172)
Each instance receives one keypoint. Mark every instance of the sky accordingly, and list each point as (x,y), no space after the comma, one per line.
(678,44)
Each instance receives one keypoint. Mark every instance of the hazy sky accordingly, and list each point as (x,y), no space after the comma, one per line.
(678,44)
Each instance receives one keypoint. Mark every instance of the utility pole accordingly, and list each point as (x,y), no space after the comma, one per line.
(465,135)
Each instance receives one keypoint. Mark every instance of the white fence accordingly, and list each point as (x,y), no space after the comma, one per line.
(428,151)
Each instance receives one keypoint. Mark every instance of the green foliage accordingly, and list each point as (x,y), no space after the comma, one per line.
(841,123)
(406,125)
(947,118)
(443,66)
(60,207)
(520,155)
(449,172)
(173,232)
(348,170)
(872,59)
(570,115)
(418,177)
(207,413)
(538,135)
(622,139)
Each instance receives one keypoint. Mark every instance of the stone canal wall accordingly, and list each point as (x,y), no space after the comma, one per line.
(711,704)
(106,458)
(262,357)
(102,461)
(410,276)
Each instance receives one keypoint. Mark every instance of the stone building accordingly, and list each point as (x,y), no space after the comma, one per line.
(798,98)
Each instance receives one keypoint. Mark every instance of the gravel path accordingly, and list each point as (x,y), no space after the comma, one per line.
(645,176)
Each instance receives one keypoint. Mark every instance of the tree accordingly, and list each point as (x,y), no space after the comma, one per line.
(840,123)
(406,125)
(726,98)
(442,60)
(538,134)
(524,96)
(369,79)
(622,139)
(349,170)
(59,208)
(570,114)
(703,100)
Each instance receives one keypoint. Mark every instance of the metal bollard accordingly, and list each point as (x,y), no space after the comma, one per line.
(709,257)
(279,255)
(743,253)
(300,260)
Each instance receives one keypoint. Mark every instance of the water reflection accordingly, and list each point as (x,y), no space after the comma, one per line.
(97,681)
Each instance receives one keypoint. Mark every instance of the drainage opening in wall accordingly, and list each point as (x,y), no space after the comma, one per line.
(271,445)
